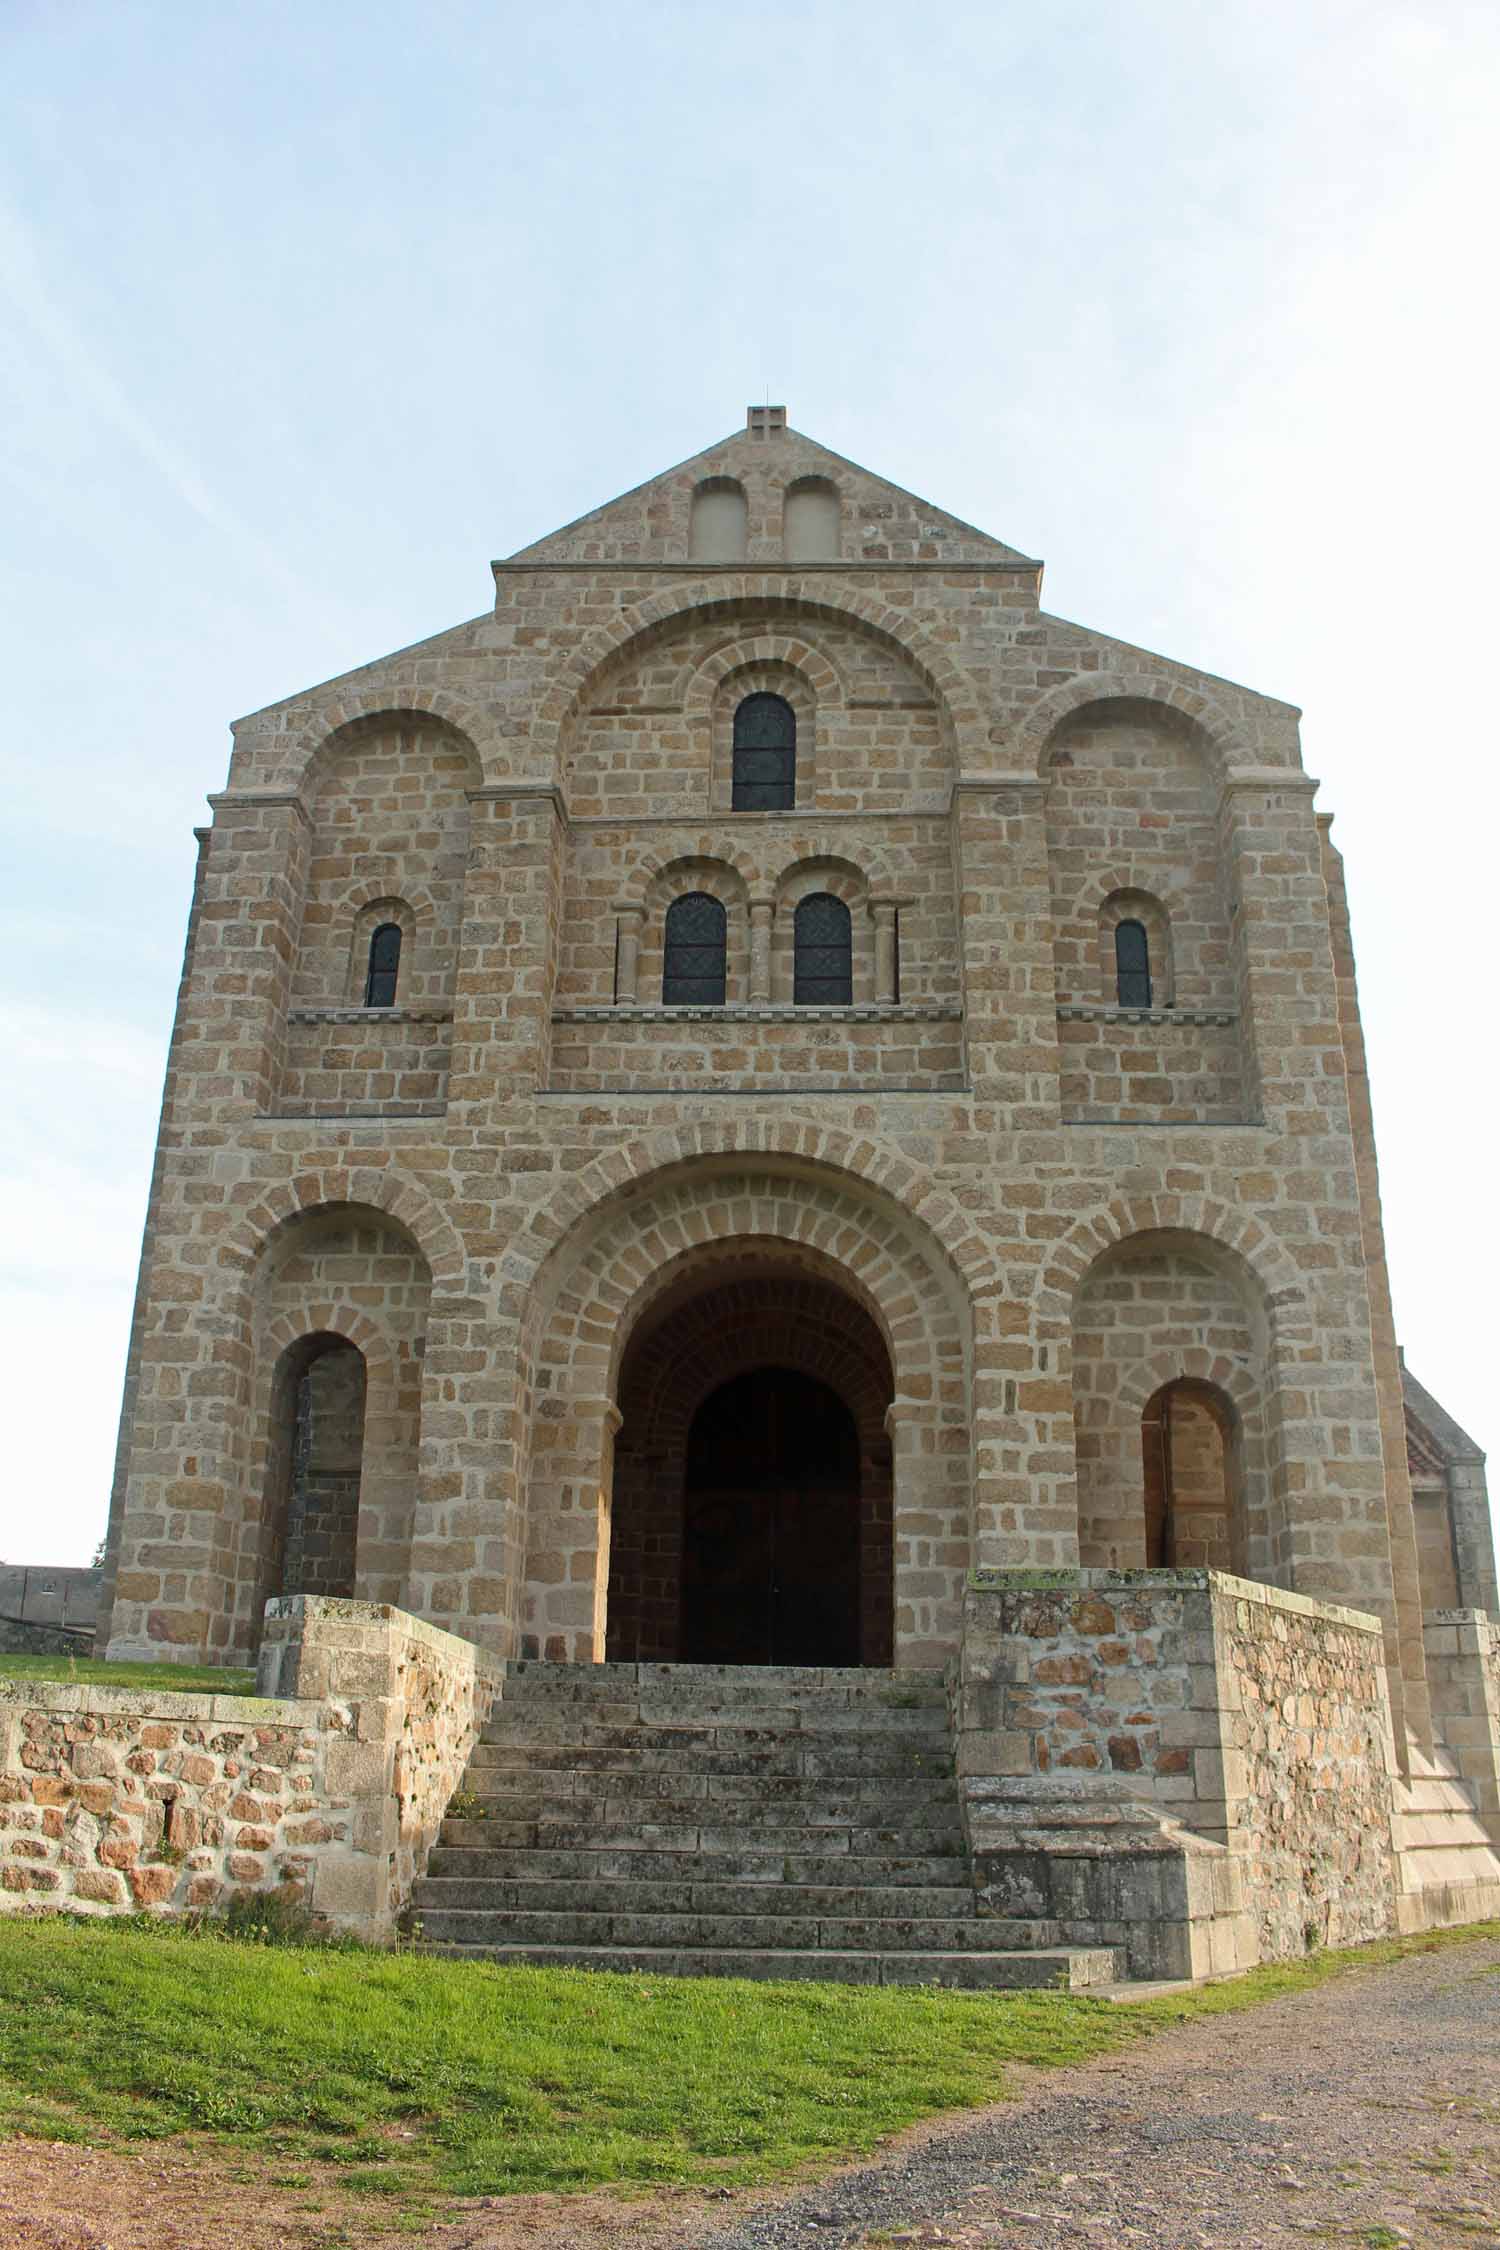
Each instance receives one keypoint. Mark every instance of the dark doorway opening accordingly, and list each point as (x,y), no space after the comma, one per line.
(316,1457)
(1190,1457)
(771,1525)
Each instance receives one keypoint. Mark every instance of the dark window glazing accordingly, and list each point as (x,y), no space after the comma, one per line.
(765,755)
(385,965)
(1132,965)
(822,952)
(693,956)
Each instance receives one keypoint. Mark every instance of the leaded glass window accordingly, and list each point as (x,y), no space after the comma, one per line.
(693,956)
(385,965)
(765,755)
(822,952)
(1132,965)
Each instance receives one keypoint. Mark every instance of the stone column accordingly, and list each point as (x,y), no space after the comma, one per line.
(761,910)
(628,953)
(883,915)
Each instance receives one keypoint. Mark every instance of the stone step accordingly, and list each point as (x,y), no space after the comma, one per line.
(762,1793)
(730,1683)
(1075,1968)
(633,1924)
(728,1835)
(609,1725)
(559,1895)
(465,1851)
(810,1758)
(623,1810)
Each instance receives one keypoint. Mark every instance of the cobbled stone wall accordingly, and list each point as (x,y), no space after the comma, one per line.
(117,1799)
(1308,1757)
(1103,1715)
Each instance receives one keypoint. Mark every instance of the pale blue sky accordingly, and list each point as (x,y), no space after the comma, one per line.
(306,312)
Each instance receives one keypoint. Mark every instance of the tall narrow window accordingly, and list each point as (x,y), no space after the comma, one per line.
(693,956)
(385,966)
(765,755)
(1132,965)
(822,953)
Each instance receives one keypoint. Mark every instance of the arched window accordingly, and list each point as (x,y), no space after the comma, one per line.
(692,971)
(1190,1464)
(385,965)
(822,952)
(1132,965)
(765,755)
(810,521)
(718,523)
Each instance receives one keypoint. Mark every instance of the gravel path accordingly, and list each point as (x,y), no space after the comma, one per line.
(1366,2112)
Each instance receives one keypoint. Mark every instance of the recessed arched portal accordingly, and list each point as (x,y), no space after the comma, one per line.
(1191,1469)
(316,1458)
(750,1513)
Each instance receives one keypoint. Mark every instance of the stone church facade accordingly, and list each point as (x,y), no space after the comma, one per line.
(767,1102)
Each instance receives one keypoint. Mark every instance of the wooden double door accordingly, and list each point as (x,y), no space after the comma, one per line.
(771,1525)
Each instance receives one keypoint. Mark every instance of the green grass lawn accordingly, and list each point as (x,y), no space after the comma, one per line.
(420,2077)
(93,1671)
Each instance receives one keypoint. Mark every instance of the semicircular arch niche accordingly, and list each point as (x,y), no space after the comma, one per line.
(1158,1318)
(716,1221)
(643,740)
(338,1275)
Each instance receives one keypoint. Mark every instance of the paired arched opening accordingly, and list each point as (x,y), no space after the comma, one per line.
(695,952)
(810,525)
(822,952)
(718,522)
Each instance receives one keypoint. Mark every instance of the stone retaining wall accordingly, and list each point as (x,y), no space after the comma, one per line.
(1236,1734)
(1308,1759)
(115,1799)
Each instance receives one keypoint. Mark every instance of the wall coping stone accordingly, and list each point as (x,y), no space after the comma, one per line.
(1183,1581)
(86,1697)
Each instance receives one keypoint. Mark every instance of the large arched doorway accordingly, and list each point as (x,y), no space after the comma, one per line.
(750,1512)
(770,1535)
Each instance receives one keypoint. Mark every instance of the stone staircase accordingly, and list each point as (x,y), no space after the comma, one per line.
(1447,1868)
(708,1820)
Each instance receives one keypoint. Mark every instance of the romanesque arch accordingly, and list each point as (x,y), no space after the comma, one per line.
(758,600)
(336,1269)
(729,1214)
(307,745)
(1222,742)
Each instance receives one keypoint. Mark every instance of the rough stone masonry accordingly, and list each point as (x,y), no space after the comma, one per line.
(765,1101)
